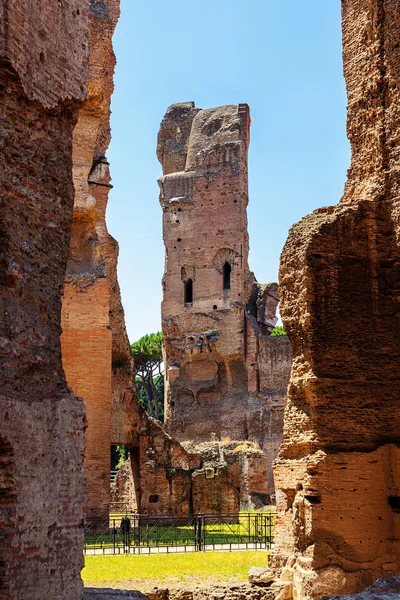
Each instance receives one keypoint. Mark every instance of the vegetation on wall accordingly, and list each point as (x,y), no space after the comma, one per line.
(278,330)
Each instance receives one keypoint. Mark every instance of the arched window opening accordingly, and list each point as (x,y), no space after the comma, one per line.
(189,291)
(227,276)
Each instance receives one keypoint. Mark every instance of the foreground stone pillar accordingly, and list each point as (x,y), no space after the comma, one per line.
(43,67)
(338,472)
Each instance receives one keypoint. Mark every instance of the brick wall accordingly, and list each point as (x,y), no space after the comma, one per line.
(86,346)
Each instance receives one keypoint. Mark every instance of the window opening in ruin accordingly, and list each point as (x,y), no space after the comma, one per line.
(394,502)
(227,276)
(313,499)
(153,499)
(189,292)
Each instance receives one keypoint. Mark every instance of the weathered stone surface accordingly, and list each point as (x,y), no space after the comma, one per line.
(215,592)
(383,589)
(47,45)
(163,476)
(269,361)
(43,67)
(204,208)
(260,576)
(232,477)
(216,320)
(165,472)
(157,477)
(337,476)
(96,355)
(123,496)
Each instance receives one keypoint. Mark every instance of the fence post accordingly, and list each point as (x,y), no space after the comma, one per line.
(199,535)
(265,530)
(257,530)
(270,529)
(139,532)
(114,534)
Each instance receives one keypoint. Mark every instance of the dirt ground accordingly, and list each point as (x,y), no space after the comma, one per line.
(189,582)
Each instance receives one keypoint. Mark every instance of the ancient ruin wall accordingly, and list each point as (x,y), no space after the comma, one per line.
(162,476)
(156,478)
(96,355)
(43,71)
(269,361)
(225,377)
(338,471)
(204,199)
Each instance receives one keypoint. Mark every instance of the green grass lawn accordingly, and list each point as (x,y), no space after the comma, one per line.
(145,572)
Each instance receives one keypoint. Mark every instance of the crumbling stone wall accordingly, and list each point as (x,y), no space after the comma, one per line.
(237,591)
(43,72)
(96,352)
(225,377)
(338,473)
(94,334)
(232,477)
(268,361)
(123,489)
(204,199)
(165,477)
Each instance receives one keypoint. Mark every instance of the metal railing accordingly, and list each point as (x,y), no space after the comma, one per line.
(146,534)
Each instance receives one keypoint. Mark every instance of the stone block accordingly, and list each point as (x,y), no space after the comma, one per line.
(260,576)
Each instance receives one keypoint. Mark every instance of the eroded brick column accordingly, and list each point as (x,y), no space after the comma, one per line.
(91,297)
(43,66)
(338,473)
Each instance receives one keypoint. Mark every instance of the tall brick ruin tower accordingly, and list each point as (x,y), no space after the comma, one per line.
(204,195)
(226,378)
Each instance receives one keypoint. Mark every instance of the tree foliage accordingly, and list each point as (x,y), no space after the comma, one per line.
(118,455)
(149,366)
(278,330)
(159,387)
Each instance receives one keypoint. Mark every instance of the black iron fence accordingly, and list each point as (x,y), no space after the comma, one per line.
(145,534)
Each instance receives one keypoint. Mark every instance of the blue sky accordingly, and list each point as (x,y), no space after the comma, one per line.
(284,60)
